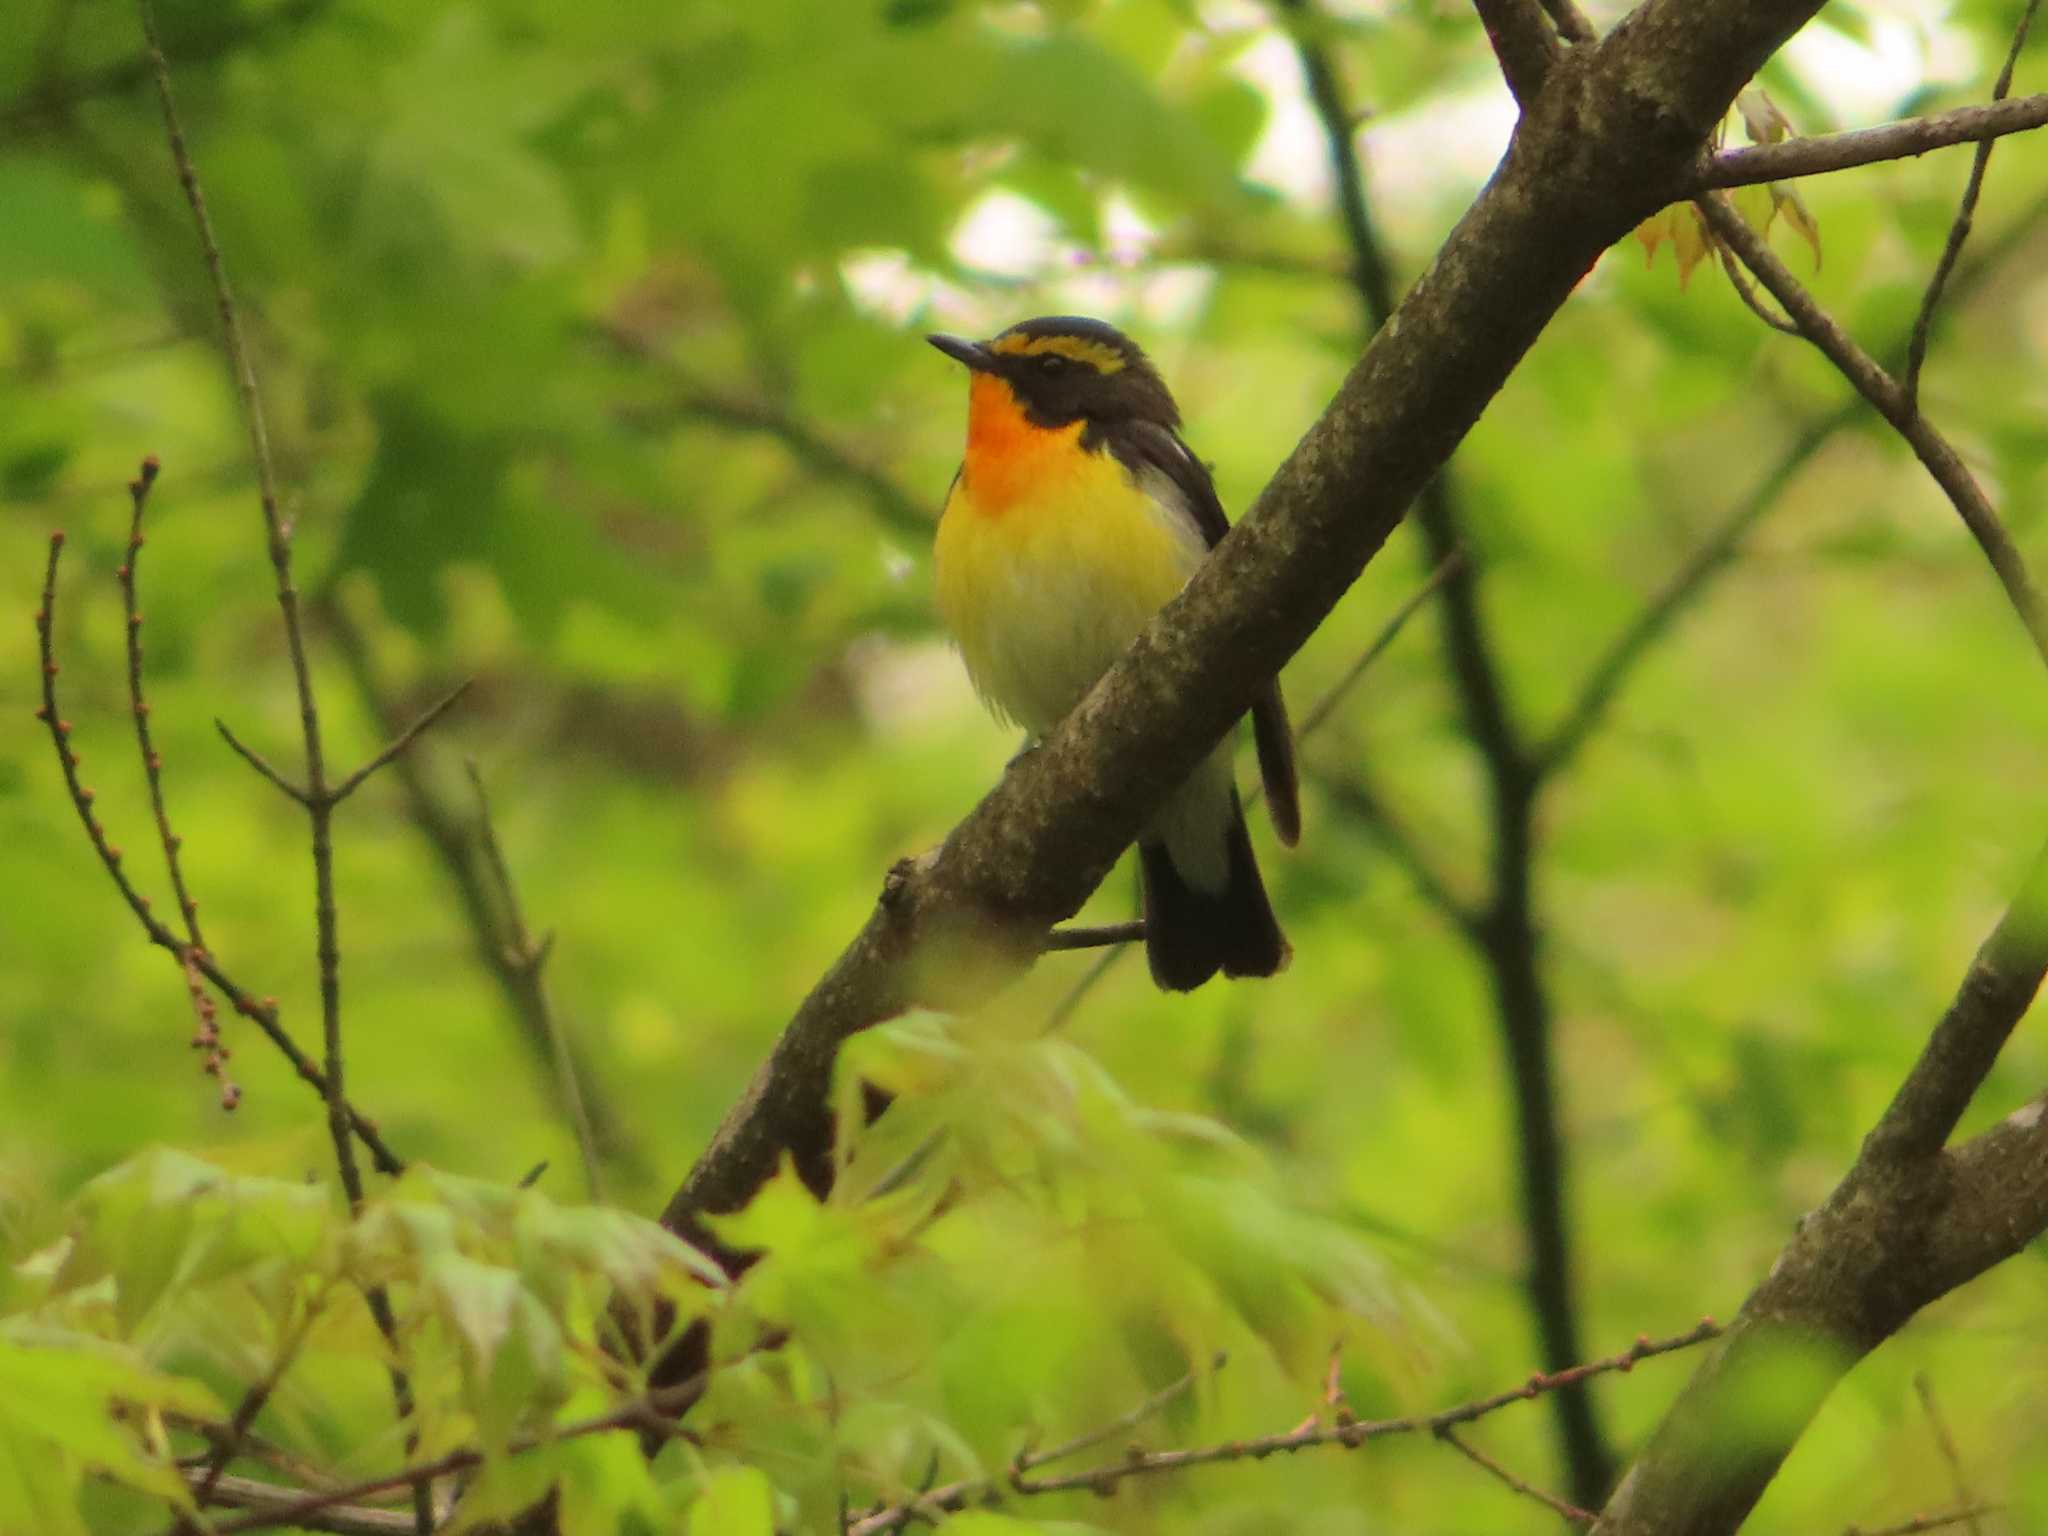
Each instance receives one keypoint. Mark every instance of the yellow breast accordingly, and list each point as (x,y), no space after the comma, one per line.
(1050,559)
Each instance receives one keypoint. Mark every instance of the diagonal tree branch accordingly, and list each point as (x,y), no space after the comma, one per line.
(1752,164)
(1909,1222)
(1959,228)
(1871,381)
(1587,163)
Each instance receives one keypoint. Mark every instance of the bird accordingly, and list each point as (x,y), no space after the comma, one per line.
(1076,513)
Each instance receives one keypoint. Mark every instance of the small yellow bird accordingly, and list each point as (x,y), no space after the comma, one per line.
(1076,514)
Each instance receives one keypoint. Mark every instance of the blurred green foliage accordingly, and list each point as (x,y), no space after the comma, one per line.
(589,339)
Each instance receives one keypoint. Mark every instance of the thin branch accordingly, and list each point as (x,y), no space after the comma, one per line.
(904,514)
(1611,673)
(1319,715)
(228,1444)
(404,740)
(1344,1432)
(1628,650)
(274,1499)
(1947,1445)
(138,705)
(1171,1393)
(207,1035)
(1753,164)
(1568,1512)
(1505,932)
(451,836)
(1070,1002)
(54,100)
(646,1413)
(1353,794)
(1909,1222)
(529,959)
(1959,228)
(1941,460)
(1096,937)
(1525,42)
(263,1012)
(1745,290)
(1968,1515)
(319,802)
(257,761)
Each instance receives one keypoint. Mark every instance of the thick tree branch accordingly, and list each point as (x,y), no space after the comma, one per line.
(1613,132)
(1908,1223)
(1756,163)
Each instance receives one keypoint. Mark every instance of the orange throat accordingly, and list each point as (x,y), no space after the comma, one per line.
(1009,458)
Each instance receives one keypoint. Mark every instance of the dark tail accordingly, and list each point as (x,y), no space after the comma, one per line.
(1190,934)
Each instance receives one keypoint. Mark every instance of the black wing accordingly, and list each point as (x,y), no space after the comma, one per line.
(1147,446)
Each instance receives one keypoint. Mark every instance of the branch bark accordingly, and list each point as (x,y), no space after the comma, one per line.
(1615,130)
(1910,1222)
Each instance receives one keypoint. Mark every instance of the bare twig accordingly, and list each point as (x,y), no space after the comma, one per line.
(54,99)
(228,1444)
(1319,714)
(1753,164)
(1353,793)
(1072,999)
(451,834)
(1095,937)
(646,1414)
(138,704)
(1947,1444)
(1550,1501)
(1877,386)
(1745,290)
(1628,649)
(1968,1515)
(404,740)
(263,1012)
(256,760)
(206,1016)
(1910,1221)
(319,800)
(1122,1424)
(904,514)
(273,1498)
(1959,228)
(1314,1434)
(529,959)
(1610,674)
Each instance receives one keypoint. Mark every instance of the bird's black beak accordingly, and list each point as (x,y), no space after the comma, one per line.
(961,350)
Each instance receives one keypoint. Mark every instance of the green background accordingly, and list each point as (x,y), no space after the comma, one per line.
(590,343)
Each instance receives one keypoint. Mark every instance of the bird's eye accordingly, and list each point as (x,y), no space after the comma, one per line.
(1052,362)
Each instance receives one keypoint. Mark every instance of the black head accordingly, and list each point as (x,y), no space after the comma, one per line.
(1068,368)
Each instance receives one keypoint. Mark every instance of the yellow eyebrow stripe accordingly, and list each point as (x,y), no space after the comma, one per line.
(1097,355)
